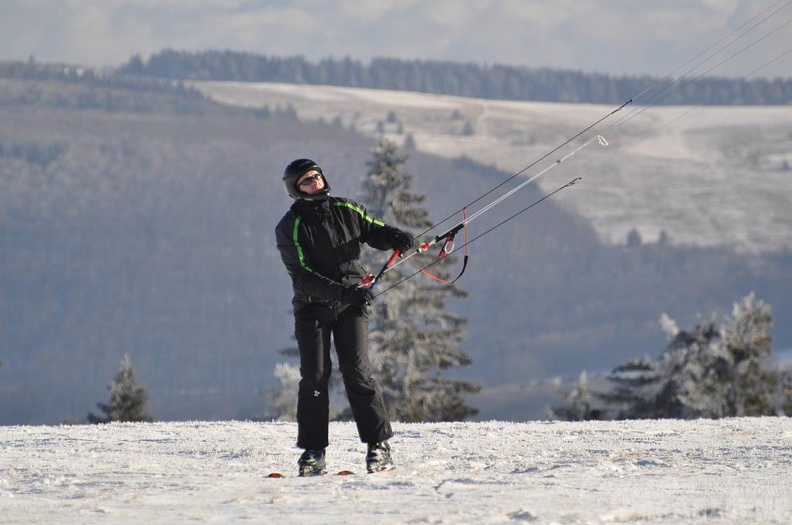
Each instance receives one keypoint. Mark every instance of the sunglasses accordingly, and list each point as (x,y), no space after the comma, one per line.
(308,180)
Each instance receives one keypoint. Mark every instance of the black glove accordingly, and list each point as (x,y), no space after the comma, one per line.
(398,239)
(357,296)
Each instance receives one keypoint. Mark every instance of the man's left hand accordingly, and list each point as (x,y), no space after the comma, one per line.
(399,240)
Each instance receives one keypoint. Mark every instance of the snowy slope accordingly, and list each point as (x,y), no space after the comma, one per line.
(732,471)
(706,176)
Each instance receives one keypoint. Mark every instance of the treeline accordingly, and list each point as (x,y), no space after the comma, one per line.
(62,86)
(494,81)
(67,86)
(44,71)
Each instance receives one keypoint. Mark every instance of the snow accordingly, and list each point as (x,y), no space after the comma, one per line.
(698,173)
(671,471)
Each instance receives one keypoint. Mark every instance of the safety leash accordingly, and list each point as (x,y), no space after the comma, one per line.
(448,247)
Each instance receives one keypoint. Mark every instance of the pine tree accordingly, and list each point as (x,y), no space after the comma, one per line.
(718,369)
(578,403)
(282,399)
(731,376)
(413,338)
(127,399)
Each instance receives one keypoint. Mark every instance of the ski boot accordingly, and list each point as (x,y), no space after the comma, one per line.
(312,463)
(378,457)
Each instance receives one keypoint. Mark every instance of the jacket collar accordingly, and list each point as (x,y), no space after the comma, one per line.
(317,207)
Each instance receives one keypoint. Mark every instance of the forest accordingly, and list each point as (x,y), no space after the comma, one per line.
(137,218)
(490,81)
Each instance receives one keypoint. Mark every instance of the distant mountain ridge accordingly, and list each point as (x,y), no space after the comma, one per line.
(500,82)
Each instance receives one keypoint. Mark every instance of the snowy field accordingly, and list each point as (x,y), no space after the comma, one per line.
(704,175)
(733,471)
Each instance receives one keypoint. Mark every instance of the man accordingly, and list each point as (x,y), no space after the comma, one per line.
(319,241)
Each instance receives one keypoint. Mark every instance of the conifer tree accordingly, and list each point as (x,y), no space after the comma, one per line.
(127,399)
(282,399)
(731,377)
(414,340)
(718,369)
(578,403)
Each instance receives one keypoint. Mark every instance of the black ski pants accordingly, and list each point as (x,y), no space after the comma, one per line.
(314,325)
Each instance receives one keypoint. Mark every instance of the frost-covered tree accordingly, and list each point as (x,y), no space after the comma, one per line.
(730,375)
(718,369)
(578,403)
(127,399)
(414,340)
(282,398)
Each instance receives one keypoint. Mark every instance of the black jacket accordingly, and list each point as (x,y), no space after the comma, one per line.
(319,242)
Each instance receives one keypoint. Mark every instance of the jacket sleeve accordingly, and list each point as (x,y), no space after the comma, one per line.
(374,232)
(304,278)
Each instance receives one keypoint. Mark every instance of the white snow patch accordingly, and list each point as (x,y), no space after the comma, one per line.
(661,472)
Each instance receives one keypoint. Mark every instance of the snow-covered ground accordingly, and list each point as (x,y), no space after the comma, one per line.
(705,176)
(734,471)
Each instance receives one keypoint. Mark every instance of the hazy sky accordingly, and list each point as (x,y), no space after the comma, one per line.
(612,36)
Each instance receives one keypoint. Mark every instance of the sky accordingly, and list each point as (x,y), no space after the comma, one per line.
(608,36)
(658,472)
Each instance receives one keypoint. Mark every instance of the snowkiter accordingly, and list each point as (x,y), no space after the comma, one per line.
(319,240)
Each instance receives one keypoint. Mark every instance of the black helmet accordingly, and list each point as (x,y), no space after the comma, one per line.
(292,174)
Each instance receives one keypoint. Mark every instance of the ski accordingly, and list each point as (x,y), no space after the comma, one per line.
(339,473)
(382,472)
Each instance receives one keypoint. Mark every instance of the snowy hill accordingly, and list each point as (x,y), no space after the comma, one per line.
(733,471)
(706,176)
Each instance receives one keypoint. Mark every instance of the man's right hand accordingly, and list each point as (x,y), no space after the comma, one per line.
(357,296)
